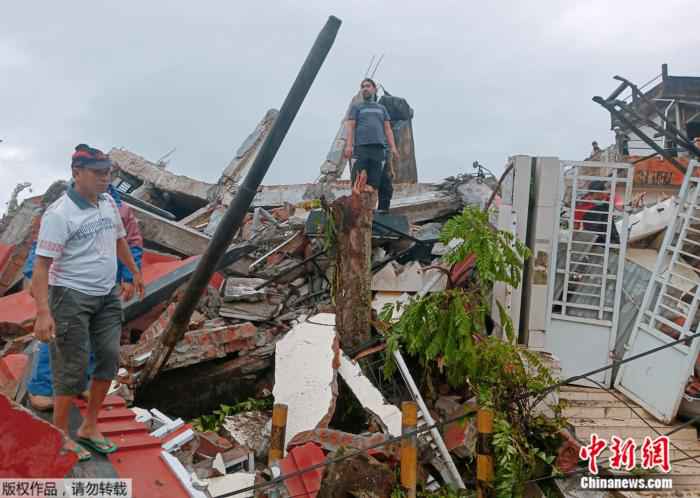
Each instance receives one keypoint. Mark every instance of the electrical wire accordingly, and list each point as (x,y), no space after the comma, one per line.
(646,422)
(427,428)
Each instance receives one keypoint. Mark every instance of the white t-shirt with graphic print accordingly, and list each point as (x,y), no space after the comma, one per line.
(82,240)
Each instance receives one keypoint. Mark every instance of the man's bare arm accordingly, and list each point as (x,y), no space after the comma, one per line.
(125,256)
(349,137)
(44,327)
(390,139)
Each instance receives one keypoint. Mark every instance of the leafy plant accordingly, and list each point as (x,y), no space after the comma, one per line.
(214,421)
(499,254)
(439,327)
(447,330)
(445,492)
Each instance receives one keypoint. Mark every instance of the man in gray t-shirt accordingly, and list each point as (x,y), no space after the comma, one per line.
(368,134)
(73,284)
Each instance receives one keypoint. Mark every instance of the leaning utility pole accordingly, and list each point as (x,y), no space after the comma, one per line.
(233,218)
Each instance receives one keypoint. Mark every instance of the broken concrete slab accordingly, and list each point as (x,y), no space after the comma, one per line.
(306,361)
(225,485)
(239,166)
(254,312)
(409,278)
(426,206)
(15,225)
(334,165)
(243,289)
(185,189)
(406,168)
(650,220)
(296,194)
(251,430)
(170,235)
(369,396)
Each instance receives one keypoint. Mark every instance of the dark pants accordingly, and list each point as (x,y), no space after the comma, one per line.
(84,324)
(372,159)
(386,189)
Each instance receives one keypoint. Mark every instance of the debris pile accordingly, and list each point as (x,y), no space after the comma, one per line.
(265,328)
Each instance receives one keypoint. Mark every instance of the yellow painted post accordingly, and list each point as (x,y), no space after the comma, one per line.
(484,453)
(279,427)
(409,450)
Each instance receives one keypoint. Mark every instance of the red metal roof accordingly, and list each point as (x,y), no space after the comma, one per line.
(19,308)
(30,446)
(138,456)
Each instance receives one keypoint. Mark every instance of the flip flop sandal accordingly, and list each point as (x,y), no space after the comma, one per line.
(104,446)
(83,454)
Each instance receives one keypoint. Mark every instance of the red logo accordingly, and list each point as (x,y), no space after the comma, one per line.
(654,453)
(592,451)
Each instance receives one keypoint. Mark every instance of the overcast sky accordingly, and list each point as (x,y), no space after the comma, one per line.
(486,79)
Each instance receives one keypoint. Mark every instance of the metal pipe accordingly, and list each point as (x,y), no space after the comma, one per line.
(651,143)
(233,218)
(291,268)
(400,233)
(147,206)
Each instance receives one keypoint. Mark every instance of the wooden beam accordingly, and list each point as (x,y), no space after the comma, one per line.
(170,235)
(352,216)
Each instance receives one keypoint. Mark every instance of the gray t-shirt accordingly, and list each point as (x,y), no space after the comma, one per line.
(369,120)
(82,240)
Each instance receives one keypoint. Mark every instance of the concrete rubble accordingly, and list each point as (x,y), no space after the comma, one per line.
(306,362)
(267,329)
(260,330)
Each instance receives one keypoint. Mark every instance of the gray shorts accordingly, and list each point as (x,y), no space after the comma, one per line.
(84,323)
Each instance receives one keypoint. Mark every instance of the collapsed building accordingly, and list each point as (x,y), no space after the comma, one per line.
(269,324)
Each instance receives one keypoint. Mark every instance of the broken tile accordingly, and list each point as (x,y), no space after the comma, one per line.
(305,374)
(211,444)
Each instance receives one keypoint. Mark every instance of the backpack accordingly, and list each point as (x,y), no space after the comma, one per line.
(398,108)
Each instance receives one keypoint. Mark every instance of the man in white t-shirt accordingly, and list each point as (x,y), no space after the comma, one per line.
(78,306)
